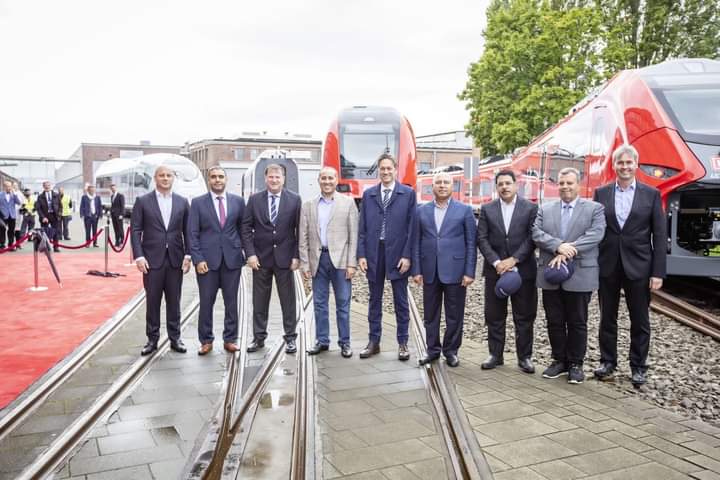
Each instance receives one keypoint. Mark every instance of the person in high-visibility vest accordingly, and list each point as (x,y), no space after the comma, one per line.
(66,208)
(28,212)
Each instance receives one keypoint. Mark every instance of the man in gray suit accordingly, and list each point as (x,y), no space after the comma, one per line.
(568,230)
(327,242)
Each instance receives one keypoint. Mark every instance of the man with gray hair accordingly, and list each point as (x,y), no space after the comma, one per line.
(567,233)
(632,257)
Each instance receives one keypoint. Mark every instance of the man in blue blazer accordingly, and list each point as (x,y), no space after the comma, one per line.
(216,249)
(90,212)
(444,260)
(162,253)
(8,213)
(385,243)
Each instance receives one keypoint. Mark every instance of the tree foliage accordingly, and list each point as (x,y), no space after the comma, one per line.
(542,56)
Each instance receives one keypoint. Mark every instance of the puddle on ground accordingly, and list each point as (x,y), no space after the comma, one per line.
(272,399)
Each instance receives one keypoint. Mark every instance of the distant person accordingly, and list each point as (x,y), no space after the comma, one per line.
(9,200)
(567,233)
(270,239)
(632,257)
(328,243)
(18,214)
(91,212)
(28,212)
(66,207)
(162,253)
(504,237)
(117,214)
(444,263)
(385,241)
(216,249)
(49,213)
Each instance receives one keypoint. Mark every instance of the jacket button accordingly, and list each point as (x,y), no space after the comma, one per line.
(274,246)
(273,232)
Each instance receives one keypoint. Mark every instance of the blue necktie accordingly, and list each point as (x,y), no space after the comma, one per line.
(565,220)
(386,200)
(273,208)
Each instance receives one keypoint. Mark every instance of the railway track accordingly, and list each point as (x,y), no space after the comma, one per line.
(683,312)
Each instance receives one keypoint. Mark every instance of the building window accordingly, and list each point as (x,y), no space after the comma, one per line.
(239,154)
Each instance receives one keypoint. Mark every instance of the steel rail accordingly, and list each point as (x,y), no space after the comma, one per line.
(65,443)
(27,405)
(685,313)
(466,457)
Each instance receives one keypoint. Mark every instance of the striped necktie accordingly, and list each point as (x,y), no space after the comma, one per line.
(385,201)
(273,208)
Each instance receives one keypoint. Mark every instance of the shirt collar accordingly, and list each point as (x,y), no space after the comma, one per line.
(572,204)
(163,195)
(513,202)
(630,188)
(223,195)
(325,200)
(270,194)
(391,187)
(447,205)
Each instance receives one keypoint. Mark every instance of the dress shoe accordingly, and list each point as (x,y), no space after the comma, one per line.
(255,345)
(403,352)
(606,371)
(575,374)
(427,359)
(95,245)
(56,250)
(371,349)
(317,348)
(345,350)
(491,362)
(638,377)
(178,346)
(230,347)
(290,346)
(452,360)
(205,348)
(555,370)
(526,365)
(149,348)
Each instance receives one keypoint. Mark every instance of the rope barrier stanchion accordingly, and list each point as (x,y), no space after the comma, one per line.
(106,273)
(131,263)
(36,267)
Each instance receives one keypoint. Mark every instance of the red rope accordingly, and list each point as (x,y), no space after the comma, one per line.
(15,245)
(75,247)
(125,241)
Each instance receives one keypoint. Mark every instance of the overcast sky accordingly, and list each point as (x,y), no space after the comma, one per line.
(174,71)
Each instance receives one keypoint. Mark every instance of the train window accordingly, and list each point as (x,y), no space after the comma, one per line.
(142,180)
(456,185)
(427,189)
(599,142)
(361,146)
(696,110)
(486,188)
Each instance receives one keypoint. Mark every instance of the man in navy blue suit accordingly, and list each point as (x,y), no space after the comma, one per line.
(216,249)
(90,212)
(162,253)
(444,260)
(385,243)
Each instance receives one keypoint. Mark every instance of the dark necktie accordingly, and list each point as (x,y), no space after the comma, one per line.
(273,208)
(385,201)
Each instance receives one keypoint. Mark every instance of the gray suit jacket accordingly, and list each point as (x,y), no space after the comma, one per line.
(585,231)
(342,234)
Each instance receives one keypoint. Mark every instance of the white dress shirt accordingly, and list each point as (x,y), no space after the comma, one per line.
(507,210)
(165,204)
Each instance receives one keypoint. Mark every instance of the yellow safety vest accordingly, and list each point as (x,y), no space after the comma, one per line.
(29,204)
(65,202)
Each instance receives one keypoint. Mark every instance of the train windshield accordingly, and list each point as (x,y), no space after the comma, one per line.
(696,111)
(361,145)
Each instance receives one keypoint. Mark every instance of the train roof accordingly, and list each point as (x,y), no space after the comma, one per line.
(370,114)
(684,71)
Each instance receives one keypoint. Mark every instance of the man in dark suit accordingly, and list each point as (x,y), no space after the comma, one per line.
(270,239)
(444,260)
(385,242)
(632,257)
(49,213)
(90,212)
(569,229)
(117,212)
(504,237)
(216,248)
(162,253)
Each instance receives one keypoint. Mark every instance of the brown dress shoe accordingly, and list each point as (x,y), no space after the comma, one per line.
(205,348)
(230,347)
(371,349)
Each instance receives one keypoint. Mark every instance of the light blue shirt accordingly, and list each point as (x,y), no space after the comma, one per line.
(324,210)
(623,202)
(440,214)
(165,204)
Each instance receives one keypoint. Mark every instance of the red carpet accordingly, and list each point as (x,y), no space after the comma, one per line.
(40,328)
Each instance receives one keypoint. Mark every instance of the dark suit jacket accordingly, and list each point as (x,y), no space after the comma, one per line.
(497,244)
(151,240)
(211,243)
(41,205)
(641,244)
(117,206)
(85,206)
(399,228)
(275,245)
(449,254)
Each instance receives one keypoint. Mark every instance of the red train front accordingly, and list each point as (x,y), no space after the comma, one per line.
(358,136)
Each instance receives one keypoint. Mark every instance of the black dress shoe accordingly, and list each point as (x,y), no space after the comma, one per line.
(638,377)
(491,362)
(56,250)
(149,348)
(427,359)
(290,346)
(346,351)
(606,371)
(178,346)
(317,348)
(255,345)
(371,349)
(526,365)
(403,352)
(452,360)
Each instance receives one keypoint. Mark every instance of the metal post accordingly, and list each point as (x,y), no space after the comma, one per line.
(107,244)
(36,254)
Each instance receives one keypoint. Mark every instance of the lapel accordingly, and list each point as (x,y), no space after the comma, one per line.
(450,211)
(394,194)
(556,212)
(576,214)
(632,207)
(264,207)
(611,207)
(314,219)
(516,213)
(156,208)
(377,193)
(211,208)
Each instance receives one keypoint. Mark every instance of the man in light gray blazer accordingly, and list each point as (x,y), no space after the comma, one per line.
(568,230)
(327,243)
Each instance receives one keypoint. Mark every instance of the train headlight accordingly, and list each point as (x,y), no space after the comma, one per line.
(658,172)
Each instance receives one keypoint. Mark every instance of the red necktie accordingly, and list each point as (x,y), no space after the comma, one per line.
(221,207)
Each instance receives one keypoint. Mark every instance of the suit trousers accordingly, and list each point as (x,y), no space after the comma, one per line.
(452,296)
(637,299)
(52,228)
(91,224)
(326,275)
(524,311)
(402,312)
(65,227)
(209,283)
(28,223)
(167,281)
(566,315)
(9,230)
(262,288)
(117,223)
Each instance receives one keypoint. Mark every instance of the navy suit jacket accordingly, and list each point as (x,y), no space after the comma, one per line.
(211,243)
(150,238)
(275,245)
(85,206)
(399,228)
(41,205)
(641,244)
(449,254)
